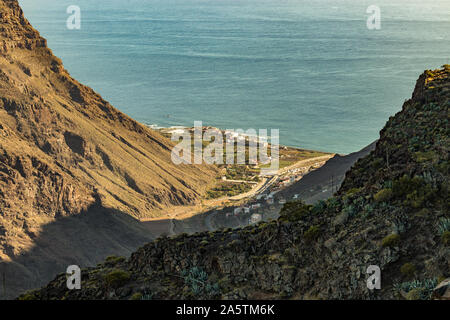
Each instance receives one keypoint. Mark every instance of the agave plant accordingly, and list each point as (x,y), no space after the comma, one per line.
(443,225)
(426,287)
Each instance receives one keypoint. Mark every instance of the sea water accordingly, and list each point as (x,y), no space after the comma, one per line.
(310,68)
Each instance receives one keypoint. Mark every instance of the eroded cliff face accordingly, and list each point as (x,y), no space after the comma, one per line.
(391,211)
(64,150)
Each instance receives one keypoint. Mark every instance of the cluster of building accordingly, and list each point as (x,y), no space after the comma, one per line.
(255,206)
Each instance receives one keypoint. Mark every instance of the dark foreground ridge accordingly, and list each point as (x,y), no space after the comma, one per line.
(391,211)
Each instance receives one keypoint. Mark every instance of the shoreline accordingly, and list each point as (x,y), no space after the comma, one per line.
(179,127)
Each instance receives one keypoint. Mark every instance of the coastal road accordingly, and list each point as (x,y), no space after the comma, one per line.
(267,183)
(304,163)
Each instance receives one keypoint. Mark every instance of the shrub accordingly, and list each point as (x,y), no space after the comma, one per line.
(446,238)
(294,211)
(377,163)
(391,240)
(414,190)
(312,233)
(414,294)
(368,209)
(27,296)
(429,156)
(383,195)
(408,270)
(406,185)
(136,296)
(117,278)
(387,184)
(424,212)
(112,260)
(418,198)
(353,191)
(350,210)
(423,289)
(333,203)
(319,207)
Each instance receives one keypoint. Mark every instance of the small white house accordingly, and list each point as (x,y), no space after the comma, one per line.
(256,205)
(255,218)
(177,131)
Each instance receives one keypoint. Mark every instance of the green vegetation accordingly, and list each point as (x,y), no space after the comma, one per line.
(294,211)
(383,195)
(391,240)
(414,191)
(444,225)
(242,172)
(417,290)
(333,204)
(27,296)
(147,295)
(446,238)
(113,260)
(408,270)
(353,191)
(319,207)
(136,296)
(414,294)
(197,281)
(311,234)
(117,278)
(428,156)
(228,189)
(350,210)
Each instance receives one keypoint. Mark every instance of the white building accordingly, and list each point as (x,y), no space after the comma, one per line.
(256,205)
(255,218)
(177,131)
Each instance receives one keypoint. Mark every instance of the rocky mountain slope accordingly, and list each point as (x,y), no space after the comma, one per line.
(392,211)
(64,151)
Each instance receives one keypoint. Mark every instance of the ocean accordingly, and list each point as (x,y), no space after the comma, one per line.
(310,68)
